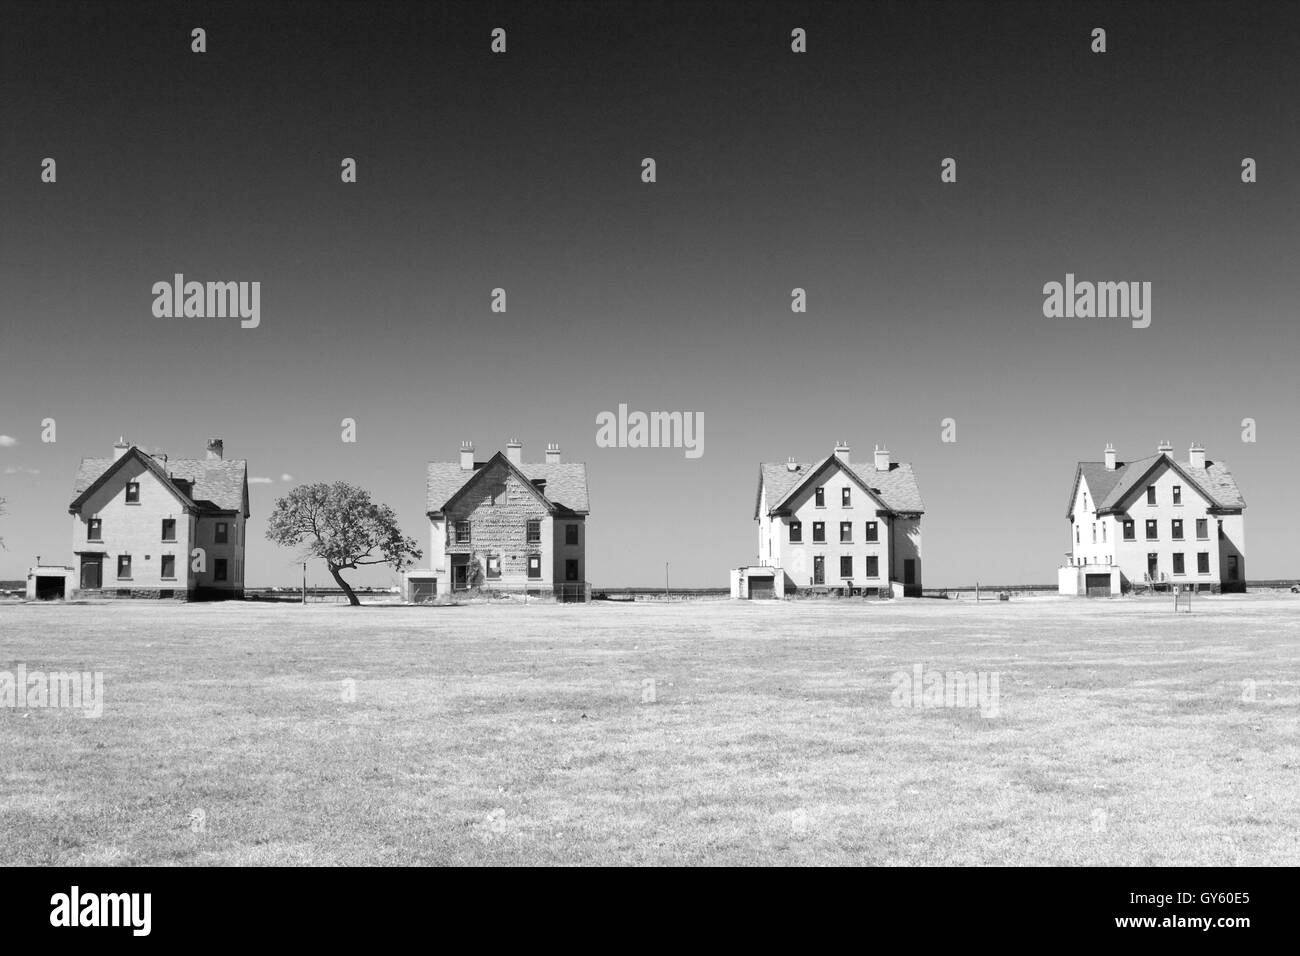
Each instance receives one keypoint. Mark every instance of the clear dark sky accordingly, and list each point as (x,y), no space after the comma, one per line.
(775,170)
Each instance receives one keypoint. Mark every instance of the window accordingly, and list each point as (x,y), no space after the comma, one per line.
(494,565)
(124,567)
(1202,528)
(220,569)
(1129,533)
(820,498)
(1153,533)
(497,494)
(819,531)
(846,532)
(1178,494)
(222,533)
(1177,526)
(846,566)
(1203,562)
(95,530)
(796,532)
(846,497)
(873,531)
(1094,532)
(534,531)
(133,492)
(169,529)
(1151,494)
(1178,563)
(1103,532)
(1077,539)
(462,532)
(570,534)
(571,570)
(168,566)
(873,566)
(534,565)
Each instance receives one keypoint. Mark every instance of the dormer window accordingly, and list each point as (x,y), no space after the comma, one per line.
(133,492)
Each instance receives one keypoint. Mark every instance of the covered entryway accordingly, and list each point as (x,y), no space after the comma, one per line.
(1097,585)
(762,588)
(92,571)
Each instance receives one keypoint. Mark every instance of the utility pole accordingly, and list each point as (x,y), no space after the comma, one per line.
(304,584)
(667,594)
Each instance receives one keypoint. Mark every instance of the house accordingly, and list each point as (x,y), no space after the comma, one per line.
(505,524)
(1154,523)
(852,528)
(145,525)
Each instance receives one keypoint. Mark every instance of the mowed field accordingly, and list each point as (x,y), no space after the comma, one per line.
(695,733)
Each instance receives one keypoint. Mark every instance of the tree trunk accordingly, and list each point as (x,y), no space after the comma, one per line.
(352,598)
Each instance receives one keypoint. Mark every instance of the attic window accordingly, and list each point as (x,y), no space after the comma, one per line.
(498,493)
(133,492)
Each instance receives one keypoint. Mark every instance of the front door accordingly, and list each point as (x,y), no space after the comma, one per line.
(92,571)
(1153,566)
(459,577)
(819,569)
(1233,569)
(909,570)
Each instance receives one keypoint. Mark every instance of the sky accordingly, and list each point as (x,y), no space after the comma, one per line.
(774,170)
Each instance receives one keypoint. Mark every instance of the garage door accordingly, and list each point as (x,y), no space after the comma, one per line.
(761,588)
(424,591)
(1098,585)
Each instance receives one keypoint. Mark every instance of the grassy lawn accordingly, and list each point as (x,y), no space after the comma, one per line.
(489,734)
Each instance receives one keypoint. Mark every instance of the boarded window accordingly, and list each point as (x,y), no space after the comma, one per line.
(123,566)
(133,492)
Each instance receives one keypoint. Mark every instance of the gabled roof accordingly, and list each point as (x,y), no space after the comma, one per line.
(894,489)
(1110,488)
(566,482)
(217,484)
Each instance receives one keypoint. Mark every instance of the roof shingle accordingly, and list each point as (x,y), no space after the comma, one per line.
(566,482)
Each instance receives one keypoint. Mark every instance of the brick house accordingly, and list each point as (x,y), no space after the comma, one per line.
(137,520)
(851,528)
(505,524)
(1154,523)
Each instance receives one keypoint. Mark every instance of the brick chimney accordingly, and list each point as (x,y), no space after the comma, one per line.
(120,448)
(1196,455)
(467,456)
(216,449)
(1164,448)
(791,464)
(1110,456)
(515,452)
(553,454)
(842,451)
(882,459)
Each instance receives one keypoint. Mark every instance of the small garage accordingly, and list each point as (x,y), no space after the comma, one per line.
(761,588)
(421,587)
(51,583)
(1097,585)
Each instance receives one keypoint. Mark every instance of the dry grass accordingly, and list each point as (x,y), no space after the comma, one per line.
(520,735)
